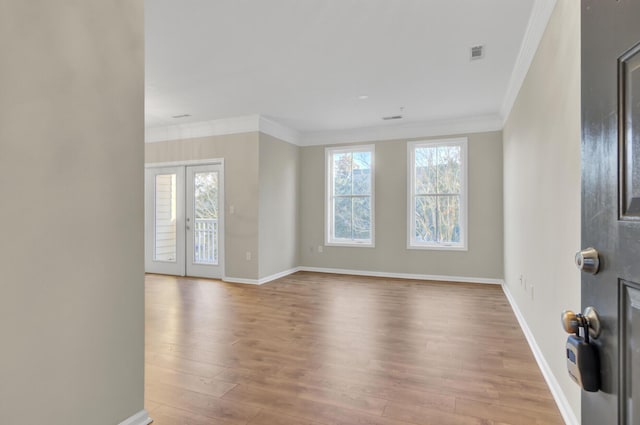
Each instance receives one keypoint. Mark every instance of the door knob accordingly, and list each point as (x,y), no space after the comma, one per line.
(572,322)
(593,321)
(588,261)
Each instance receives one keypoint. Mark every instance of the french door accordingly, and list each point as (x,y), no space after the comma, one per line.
(184,220)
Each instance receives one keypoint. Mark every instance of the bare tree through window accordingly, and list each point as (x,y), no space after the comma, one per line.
(437,193)
(351,195)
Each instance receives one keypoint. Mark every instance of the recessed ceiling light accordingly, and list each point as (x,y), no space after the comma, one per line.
(181,116)
(363,97)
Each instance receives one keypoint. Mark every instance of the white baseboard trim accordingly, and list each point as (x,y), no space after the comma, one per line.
(230,279)
(275,276)
(262,280)
(562,402)
(140,418)
(441,278)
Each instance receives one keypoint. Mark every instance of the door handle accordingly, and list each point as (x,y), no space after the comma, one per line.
(588,260)
(572,322)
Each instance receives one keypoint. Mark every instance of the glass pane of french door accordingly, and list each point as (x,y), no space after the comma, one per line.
(205,237)
(165,236)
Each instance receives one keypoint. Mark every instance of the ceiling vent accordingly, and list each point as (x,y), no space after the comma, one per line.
(477,52)
(181,116)
(392,117)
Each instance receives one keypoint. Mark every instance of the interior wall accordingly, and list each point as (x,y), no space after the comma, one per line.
(484,258)
(71,185)
(542,190)
(240,153)
(279,218)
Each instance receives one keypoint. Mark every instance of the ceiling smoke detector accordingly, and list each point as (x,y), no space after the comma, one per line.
(477,52)
(181,116)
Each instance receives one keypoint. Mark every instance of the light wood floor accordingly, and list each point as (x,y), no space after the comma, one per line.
(329,349)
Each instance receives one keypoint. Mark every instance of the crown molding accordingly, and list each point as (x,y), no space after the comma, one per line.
(235,125)
(220,127)
(257,123)
(538,20)
(465,125)
(279,131)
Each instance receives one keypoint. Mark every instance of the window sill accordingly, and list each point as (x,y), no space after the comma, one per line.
(351,244)
(437,248)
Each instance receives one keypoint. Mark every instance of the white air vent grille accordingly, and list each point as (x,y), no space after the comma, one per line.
(477,52)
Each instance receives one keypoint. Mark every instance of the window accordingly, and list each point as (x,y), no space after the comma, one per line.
(437,198)
(349,215)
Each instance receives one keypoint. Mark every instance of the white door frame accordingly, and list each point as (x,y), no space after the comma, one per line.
(182,199)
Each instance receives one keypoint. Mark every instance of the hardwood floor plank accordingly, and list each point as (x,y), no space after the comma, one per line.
(294,388)
(267,417)
(322,412)
(372,386)
(179,364)
(200,384)
(321,349)
(167,415)
(422,415)
(151,406)
(205,405)
(508,414)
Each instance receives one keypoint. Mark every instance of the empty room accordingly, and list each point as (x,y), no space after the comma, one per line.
(319,212)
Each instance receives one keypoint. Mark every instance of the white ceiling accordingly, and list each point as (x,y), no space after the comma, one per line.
(304,63)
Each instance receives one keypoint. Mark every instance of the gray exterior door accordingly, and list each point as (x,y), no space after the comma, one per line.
(611,202)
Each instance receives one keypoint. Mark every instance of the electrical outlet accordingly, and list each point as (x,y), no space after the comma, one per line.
(232,209)
(320,248)
(248,255)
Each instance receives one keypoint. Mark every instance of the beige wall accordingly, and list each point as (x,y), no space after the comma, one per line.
(279,191)
(482,260)
(71,190)
(542,190)
(240,153)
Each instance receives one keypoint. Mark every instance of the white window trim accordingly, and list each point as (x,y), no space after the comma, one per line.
(328,211)
(464,205)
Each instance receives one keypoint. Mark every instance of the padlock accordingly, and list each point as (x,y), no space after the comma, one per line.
(583,362)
